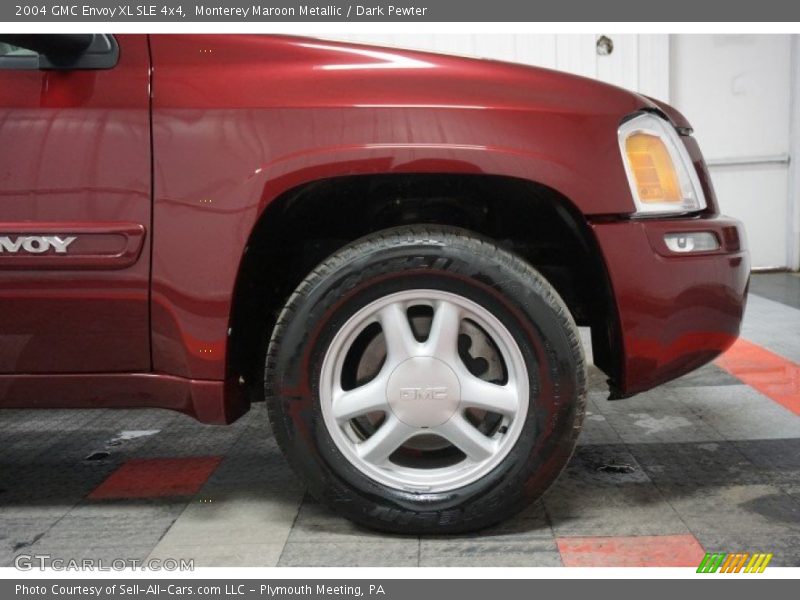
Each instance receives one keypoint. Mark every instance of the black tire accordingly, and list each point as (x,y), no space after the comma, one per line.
(456,261)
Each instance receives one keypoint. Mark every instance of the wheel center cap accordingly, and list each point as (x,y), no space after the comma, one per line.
(423,391)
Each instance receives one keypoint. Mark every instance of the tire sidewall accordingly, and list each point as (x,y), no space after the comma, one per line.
(499,282)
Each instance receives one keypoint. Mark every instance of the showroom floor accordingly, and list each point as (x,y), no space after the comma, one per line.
(710,462)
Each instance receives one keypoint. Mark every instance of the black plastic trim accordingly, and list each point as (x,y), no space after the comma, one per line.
(62,52)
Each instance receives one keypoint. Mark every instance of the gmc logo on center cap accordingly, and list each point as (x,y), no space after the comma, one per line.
(423,393)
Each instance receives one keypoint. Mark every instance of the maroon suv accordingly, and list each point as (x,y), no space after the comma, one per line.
(394,249)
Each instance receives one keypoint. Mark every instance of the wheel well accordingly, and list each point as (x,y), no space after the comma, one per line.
(307,224)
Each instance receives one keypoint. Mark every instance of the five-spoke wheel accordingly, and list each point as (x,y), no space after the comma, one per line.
(424,380)
(427,416)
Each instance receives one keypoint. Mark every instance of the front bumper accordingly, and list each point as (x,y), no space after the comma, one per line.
(676,312)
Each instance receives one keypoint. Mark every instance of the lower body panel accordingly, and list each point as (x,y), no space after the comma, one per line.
(214,402)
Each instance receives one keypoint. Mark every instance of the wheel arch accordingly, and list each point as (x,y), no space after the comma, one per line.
(311,220)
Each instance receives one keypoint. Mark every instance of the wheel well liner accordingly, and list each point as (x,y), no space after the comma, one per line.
(303,226)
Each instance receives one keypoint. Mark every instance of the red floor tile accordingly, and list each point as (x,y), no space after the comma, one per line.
(771,374)
(157,477)
(639,551)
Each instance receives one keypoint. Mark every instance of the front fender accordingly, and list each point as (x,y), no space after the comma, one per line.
(231,134)
(204,218)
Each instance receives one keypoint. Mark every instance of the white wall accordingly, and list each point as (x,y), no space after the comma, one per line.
(735,90)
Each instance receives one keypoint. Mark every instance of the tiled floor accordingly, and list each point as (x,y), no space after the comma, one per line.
(705,463)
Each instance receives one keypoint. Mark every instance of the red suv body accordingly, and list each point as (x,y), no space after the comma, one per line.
(156,213)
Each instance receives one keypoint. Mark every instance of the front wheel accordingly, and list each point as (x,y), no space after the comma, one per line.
(423,380)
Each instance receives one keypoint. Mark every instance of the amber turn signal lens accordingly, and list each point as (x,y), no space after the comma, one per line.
(662,177)
(652,168)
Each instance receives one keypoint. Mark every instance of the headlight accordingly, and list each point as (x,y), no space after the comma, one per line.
(660,172)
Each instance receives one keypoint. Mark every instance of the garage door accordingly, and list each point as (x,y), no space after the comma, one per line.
(735,90)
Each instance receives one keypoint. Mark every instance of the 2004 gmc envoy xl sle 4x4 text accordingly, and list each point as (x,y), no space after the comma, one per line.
(393,249)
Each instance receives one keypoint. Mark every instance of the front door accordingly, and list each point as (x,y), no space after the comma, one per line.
(75,212)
